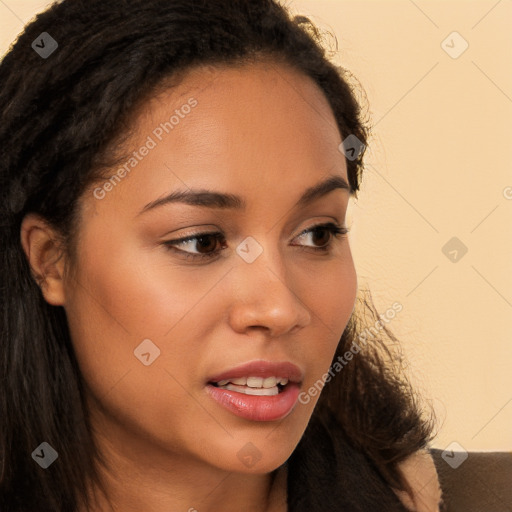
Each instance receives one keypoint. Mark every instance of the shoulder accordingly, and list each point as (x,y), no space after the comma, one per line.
(420,472)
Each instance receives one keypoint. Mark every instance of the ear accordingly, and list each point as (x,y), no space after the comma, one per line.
(45,257)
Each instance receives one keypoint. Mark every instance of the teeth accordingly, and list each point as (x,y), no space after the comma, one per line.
(253,383)
(241,381)
(269,382)
(252,391)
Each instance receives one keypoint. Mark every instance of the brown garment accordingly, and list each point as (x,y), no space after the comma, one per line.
(482,483)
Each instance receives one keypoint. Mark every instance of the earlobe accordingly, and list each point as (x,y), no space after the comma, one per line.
(45,257)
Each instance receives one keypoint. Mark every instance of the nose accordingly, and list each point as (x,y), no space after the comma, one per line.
(265,298)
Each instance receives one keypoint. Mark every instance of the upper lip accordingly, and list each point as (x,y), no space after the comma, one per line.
(263,369)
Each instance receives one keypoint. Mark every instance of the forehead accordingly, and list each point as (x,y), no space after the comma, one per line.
(261,106)
(254,127)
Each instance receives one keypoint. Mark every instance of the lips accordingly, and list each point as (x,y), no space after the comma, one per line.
(264,369)
(257,404)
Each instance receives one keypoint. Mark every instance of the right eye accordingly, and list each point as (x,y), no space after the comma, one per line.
(206,242)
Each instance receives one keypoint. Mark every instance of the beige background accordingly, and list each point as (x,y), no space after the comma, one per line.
(438,167)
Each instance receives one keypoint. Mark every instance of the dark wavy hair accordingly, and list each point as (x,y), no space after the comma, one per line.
(62,118)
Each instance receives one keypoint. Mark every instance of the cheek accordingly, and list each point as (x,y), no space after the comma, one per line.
(114,308)
(123,295)
(333,296)
(115,301)
(130,291)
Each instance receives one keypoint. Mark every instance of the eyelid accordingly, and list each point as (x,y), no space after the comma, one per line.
(334,228)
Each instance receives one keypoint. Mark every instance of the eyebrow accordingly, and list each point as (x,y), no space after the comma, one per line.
(211,199)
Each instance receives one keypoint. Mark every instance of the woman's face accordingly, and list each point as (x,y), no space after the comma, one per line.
(154,323)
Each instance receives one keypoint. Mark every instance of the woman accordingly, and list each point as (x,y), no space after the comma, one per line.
(168,317)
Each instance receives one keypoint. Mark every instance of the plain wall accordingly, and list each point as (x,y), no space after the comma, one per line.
(438,167)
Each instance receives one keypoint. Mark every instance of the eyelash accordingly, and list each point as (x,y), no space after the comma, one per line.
(334,229)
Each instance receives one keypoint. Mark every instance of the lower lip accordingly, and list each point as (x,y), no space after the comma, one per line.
(257,408)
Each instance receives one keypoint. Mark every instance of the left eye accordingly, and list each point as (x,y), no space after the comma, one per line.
(208,242)
(329,229)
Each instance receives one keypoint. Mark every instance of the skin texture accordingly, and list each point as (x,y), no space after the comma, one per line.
(263,132)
